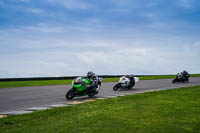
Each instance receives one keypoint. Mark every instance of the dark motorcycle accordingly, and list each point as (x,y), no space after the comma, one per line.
(181,78)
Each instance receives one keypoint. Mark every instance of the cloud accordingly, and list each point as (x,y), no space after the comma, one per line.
(186,4)
(42,53)
(196,46)
(36,10)
(72,4)
(126,3)
(45,28)
(19,1)
(108,60)
(26,1)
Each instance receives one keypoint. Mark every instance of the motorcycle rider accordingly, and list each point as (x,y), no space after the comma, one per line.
(132,80)
(185,74)
(94,79)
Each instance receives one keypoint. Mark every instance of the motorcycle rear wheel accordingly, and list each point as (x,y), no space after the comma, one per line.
(92,94)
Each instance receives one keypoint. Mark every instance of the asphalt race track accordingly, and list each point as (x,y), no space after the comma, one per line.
(36,98)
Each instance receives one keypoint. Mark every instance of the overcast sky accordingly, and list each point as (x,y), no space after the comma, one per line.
(71,37)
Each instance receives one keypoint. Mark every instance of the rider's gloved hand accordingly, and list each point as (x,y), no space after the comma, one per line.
(87,86)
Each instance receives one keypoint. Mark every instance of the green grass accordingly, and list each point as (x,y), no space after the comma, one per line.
(171,111)
(13,84)
(156,77)
(195,75)
(163,77)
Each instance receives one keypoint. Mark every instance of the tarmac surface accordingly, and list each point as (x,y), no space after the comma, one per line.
(27,99)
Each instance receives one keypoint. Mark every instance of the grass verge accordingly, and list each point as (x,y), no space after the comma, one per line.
(174,111)
(13,84)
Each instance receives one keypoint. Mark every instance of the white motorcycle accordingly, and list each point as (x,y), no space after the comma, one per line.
(125,83)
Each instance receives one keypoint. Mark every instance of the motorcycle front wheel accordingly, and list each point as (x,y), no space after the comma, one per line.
(174,81)
(70,94)
(116,87)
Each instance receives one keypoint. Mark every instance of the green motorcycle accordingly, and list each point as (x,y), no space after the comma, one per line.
(79,88)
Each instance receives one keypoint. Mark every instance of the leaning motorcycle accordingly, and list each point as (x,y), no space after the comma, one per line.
(79,88)
(180,78)
(125,83)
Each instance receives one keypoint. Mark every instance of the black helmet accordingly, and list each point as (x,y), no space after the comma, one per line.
(90,74)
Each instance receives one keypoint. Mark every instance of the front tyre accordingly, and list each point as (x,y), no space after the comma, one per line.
(116,87)
(70,94)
